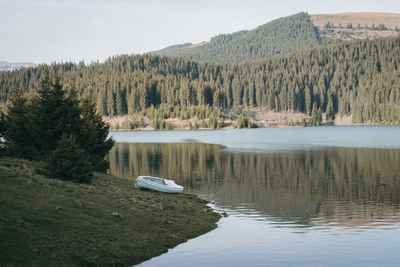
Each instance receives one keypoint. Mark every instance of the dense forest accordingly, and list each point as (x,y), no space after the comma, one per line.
(279,36)
(358,77)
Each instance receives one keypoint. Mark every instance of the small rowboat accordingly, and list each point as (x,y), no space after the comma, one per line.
(158,184)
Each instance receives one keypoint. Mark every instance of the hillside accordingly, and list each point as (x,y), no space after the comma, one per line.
(173,49)
(288,34)
(390,20)
(49,222)
(361,78)
(280,36)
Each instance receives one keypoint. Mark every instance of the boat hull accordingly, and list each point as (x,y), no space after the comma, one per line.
(158,184)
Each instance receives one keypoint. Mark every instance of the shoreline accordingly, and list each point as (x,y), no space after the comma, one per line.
(109,222)
(271,120)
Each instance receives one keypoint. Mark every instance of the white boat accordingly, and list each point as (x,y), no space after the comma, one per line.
(158,184)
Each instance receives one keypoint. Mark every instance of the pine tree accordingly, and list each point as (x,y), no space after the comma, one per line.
(316,116)
(308,100)
(69,137)
(93,136)
(68,161)
(16,128)
(241,123)
(303,122)
(330,111)
(54,113)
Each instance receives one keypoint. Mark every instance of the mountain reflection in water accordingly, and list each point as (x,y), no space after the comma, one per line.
(335,187)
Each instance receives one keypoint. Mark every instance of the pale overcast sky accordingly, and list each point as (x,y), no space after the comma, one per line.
(44,31)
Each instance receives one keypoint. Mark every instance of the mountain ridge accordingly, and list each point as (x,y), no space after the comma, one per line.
(282,35)
(288,34)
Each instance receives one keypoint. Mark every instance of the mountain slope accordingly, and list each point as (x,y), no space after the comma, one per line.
(359,77)
(172,50)
(288,34)
(280,36)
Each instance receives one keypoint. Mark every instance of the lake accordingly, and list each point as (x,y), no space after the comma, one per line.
(315,196)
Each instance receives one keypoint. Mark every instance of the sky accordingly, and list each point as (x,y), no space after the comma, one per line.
(46,31)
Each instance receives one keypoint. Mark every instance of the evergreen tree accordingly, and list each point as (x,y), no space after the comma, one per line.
(241,123)
(54,112)
(330,111)
(93,136)
(68,161)
(308,100)
(316,116)
(54,127)
(16,129)
(221,124)
(303,122)
(156,124)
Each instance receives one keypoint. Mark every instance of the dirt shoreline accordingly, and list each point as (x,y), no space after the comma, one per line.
(261,118)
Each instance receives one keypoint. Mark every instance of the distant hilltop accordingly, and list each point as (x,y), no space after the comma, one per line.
(6,66)
(350,26)
(369,19)
(286,35)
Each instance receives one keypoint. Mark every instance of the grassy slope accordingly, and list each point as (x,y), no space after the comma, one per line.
(172,50)
(391,20)
(51,222)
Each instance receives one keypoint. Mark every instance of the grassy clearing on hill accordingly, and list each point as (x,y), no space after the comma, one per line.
(391,20)
(48,222)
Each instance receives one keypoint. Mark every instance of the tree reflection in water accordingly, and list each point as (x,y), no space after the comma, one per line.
(347,187)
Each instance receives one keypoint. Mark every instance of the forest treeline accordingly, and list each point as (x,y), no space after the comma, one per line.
(283,35)
(358,77)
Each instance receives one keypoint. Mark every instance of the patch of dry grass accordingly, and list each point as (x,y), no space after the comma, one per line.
(391,20)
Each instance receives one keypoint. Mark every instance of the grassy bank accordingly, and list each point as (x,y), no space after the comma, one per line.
(48,222)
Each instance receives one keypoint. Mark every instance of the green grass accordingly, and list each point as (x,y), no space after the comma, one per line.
(48,222)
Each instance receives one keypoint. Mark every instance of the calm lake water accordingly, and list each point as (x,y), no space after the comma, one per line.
(317,196)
